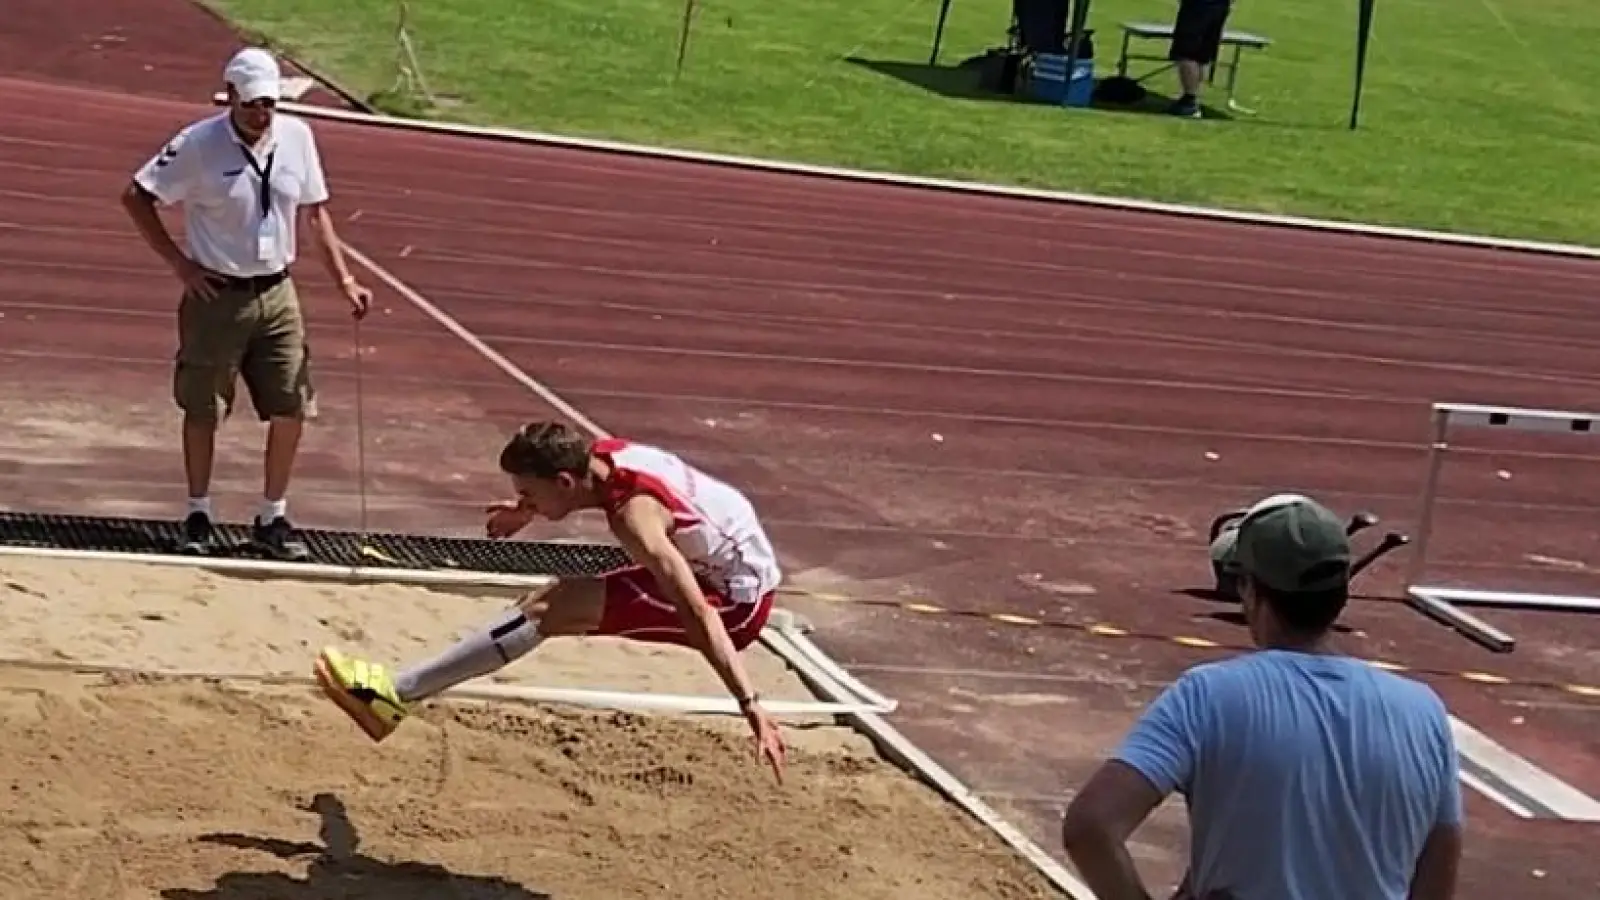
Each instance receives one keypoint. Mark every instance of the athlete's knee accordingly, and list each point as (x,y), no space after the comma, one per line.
(533,602)
(570,607)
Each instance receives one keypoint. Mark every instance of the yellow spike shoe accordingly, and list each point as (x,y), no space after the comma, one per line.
(364,690)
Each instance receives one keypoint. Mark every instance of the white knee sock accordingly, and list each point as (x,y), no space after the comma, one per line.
(509,638)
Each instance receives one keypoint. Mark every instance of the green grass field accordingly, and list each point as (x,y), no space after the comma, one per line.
(1479,115)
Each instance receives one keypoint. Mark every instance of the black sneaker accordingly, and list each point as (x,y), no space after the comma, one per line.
(197,534)
(276,540)
(1185,107)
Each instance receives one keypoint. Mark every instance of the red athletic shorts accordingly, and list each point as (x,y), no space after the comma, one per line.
(637,608)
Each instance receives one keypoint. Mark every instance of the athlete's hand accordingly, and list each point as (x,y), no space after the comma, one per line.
(506,518)
(769,739)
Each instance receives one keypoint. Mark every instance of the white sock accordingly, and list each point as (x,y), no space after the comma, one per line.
(200,505)
(509,638)
(272,510)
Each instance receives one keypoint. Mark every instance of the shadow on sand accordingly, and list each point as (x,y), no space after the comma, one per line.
(339,872)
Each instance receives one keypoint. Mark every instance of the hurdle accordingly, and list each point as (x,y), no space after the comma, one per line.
(1444,604)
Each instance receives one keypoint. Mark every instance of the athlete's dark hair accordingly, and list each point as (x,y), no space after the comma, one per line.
(545,450)
(1308,613)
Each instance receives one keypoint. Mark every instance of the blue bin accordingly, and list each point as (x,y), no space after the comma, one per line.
(1049,84)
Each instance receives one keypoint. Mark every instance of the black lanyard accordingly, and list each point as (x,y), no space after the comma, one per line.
(265,174)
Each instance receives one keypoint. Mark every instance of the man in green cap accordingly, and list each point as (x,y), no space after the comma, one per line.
(1225,543)
(1307,773)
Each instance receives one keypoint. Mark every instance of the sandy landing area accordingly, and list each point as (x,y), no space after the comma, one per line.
(130,786)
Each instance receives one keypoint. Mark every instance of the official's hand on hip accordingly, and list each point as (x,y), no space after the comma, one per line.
(360,298)
(195,278)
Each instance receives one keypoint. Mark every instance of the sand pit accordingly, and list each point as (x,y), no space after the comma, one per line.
(138,787)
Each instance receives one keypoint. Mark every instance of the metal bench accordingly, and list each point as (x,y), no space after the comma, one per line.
(1153,31)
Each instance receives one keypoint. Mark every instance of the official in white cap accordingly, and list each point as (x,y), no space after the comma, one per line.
(247,179)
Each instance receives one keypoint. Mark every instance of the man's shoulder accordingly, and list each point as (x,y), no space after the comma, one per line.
(197,133)
(1276,666)
(1226,669)
(1273,663)
(214,125)
(293,128)
(1408,690)
(182,156)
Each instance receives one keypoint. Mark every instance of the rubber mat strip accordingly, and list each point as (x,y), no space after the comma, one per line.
(335,548)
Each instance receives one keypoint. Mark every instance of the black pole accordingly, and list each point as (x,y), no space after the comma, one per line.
(1080,17)
(938,33)
(683,37)
(1363,34)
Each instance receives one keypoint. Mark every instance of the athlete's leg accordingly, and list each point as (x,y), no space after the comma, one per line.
(379,701)
(626,603)
(567,608)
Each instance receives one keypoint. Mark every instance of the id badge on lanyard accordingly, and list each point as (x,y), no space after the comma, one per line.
(267,238)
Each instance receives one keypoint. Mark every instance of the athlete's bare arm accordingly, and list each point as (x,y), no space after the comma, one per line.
(641,526)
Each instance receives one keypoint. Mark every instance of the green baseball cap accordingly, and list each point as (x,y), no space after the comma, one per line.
(1225,545)
(1290,542)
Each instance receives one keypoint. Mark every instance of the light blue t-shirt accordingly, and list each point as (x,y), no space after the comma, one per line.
(1307,777)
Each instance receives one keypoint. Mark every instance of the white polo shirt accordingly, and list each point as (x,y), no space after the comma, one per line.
(208,169)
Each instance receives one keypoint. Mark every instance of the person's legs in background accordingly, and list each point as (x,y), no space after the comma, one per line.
(212,335)
(277,372)
(1196,37)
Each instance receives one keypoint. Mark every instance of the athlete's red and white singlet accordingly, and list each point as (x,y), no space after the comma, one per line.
(716,530)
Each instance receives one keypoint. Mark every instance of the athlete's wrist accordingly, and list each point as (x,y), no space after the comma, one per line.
(748,701)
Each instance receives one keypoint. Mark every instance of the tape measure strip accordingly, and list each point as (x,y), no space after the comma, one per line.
(1106,629)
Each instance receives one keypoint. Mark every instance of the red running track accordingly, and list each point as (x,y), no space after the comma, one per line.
(171,49)
(974,402)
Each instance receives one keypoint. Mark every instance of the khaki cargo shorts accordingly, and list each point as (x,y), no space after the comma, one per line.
(249,330)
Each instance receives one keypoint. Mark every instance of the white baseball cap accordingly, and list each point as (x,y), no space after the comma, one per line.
(254,74)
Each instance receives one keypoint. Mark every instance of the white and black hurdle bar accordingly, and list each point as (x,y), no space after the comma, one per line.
(1444,603)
